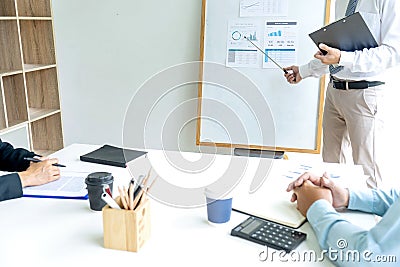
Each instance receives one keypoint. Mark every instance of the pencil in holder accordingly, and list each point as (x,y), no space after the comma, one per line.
(126,229)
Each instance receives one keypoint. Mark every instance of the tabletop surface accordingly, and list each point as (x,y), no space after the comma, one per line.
(62,232)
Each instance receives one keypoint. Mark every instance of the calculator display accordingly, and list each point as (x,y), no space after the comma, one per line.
(251,227)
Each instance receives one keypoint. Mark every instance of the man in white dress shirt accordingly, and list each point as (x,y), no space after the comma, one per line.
(353,105)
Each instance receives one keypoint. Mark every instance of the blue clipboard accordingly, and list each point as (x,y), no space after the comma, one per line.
(57,197)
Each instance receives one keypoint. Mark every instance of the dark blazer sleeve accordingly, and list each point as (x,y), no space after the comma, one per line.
(12,159)
(10,186)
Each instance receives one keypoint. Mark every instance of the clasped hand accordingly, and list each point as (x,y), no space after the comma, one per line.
(309,188)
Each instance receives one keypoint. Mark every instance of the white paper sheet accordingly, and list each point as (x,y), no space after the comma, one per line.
(240,52)
(280,43)
(263,8)
(70,185)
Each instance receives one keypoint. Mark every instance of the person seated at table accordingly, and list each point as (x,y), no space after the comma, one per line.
(318,197)
(25,173)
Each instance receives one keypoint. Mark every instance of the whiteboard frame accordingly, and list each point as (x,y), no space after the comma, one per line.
(322,88)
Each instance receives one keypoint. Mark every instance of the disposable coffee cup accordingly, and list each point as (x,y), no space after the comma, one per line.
(96,182)
(219,208)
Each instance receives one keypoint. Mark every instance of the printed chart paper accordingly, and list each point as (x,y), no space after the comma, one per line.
(240,52)
(264,8)
(280,43)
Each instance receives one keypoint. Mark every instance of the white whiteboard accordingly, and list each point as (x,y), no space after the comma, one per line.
(256,107)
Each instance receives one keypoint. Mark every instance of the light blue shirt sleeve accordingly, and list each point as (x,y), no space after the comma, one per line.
(372,246)
(372,201)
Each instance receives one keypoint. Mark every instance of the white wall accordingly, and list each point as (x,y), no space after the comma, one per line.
(392,128)
(107,49)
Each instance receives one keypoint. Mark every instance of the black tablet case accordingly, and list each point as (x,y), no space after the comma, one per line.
(111,155)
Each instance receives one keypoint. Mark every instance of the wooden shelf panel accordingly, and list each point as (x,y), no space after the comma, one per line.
(47,134)
(40,113)
(16,123)
(35,67)
(34,8)
(37,42)
(42,88)
(15,98)
(14,128)
(10,52)
(35,18)
(8,18)
(7,8)
(9,72)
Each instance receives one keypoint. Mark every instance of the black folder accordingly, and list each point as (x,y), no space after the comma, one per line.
(348,34)
(111,155)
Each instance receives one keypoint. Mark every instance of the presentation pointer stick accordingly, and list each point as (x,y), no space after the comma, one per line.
(285,71)
(38,160)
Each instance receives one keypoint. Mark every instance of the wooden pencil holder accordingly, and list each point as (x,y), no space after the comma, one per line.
(126,229)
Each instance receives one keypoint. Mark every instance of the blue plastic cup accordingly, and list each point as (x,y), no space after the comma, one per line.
(218,209)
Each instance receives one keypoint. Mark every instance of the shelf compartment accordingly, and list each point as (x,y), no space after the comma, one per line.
(14,94)
(47,134)
(7,8)
(42,89)
(10,59)
(37,42)
(34,8)
(18,136)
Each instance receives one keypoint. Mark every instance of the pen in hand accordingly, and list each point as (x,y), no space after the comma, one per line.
(38,160)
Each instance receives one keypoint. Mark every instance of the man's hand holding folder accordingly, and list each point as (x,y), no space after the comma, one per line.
(332,55)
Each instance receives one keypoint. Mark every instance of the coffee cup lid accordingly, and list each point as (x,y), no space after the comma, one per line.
(97,178)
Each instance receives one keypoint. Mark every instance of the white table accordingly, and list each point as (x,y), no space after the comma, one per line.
(59,232)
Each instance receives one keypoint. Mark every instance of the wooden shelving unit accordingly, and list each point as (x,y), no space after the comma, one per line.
(29,97)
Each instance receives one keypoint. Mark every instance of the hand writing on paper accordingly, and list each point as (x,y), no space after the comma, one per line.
(40,173)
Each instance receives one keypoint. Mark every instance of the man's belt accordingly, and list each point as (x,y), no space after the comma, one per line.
(344,85)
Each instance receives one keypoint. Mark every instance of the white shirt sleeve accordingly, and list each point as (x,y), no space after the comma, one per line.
(387,54)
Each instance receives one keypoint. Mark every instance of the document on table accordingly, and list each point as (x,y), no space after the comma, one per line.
(272,202)
(70,185)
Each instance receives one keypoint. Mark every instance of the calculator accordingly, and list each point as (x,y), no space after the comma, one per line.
(269,233)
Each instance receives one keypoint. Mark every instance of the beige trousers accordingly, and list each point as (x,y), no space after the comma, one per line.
(354,119)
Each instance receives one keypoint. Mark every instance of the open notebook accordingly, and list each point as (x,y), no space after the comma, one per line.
(272,202)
